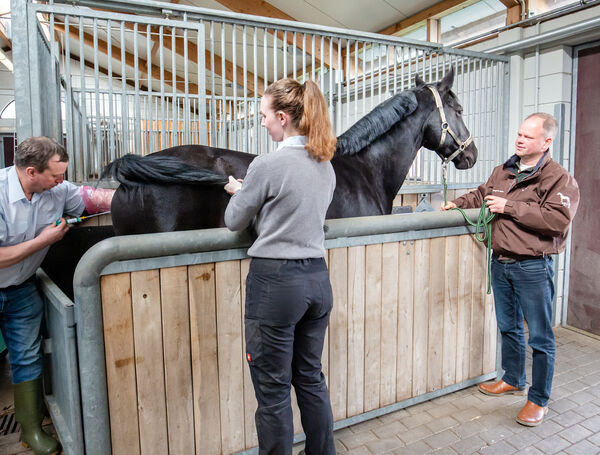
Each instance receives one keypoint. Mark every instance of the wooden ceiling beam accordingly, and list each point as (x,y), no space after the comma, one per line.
(436,11)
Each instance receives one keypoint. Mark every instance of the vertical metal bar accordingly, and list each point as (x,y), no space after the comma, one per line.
(295,50)
(174,104)
(313,60)
(364,79)
(394,62)
(479,114)
(111,113)
(275,74)
(387,71)
(256,102)
(124,108)
(304,56)
(380,72)
(149,123)
(161,53)
(284,42)
(245,65)
(234,116)
(331,106)
(347,80)
(265,58)
(322,71)
(355,81)
(97,102)
(187,125)
(402,76)
(224,142)
(339,111)
(85,151)
(69,100)
(138,115)
(372,76)
(213,95)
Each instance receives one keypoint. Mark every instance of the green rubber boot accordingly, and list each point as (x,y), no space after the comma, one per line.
(28,412)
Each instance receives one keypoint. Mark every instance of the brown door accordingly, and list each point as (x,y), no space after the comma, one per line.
(584,276)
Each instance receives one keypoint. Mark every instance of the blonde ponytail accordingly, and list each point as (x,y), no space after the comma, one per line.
(308,113)
(316,125)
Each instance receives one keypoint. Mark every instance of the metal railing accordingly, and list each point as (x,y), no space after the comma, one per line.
(175,74)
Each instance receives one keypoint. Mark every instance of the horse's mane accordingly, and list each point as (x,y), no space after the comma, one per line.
(132,170)
(376,123)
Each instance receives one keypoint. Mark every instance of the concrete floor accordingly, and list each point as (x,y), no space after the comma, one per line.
(466,422)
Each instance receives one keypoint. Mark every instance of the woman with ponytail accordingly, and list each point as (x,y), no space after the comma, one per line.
(285,196)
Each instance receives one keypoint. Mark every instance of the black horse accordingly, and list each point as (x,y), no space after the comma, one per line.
(181,187)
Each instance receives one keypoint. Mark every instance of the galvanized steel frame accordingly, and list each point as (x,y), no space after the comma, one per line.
(203,245)
(97,132)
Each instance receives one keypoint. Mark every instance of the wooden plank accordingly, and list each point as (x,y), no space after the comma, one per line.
(203,340)
(120,363)
(148,340)
(356,329)
(436,314)
(389,323)
(490,333)
(338,332)
(478,311)
(250,403)
(230,355)
(463,320)
(410,199)
(404,365)
(421,316)
(373,258)
(177,358)
(451,262)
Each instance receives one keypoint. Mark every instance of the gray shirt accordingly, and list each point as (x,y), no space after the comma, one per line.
(22,220)
(287,193)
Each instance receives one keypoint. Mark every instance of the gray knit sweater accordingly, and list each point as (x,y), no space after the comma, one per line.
(287,194)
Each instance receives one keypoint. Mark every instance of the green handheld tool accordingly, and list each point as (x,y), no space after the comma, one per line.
(79,219)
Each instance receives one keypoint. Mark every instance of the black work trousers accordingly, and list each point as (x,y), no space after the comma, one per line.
(288,303)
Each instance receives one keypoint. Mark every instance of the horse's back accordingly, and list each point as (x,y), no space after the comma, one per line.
(147,208)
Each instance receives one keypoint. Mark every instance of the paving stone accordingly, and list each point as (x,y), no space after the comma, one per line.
(562,405)
(583,448)
(595,439)
(568,418)
(592,424)
(385,445)
(417,448)
(498,448)
(552,444)
(467,415)
(529,451)
(444,451)
(415,434)
(358,439)
(581,397)
(389,429)
(362,450)
(414,421)
(493,435)
(442,424)
(575,433)
(464,430)
(439,440)
(588,410)
(523,439)
(547,428)
(443,410)
(469,445)
(366,426)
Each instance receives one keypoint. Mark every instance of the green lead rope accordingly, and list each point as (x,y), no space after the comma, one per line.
(483,224)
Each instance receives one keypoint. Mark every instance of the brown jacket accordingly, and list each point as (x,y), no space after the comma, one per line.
(538,210)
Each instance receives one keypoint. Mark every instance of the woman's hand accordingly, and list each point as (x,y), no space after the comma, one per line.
(234,185)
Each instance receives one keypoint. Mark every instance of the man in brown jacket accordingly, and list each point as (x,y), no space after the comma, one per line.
(534,200)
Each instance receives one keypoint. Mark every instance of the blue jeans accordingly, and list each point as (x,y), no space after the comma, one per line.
(288,303)
(21,311)
(525,289)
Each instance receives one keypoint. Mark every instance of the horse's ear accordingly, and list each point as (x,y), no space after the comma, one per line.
(418,81)
(446,83)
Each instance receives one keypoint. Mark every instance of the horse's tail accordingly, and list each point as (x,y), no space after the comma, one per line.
(132,170)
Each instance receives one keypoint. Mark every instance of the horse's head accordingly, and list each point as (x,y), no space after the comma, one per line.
(444,130)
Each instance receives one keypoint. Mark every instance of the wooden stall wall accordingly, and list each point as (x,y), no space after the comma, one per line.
(409,318)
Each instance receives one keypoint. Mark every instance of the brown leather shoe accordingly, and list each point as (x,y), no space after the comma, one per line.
(532,415)
(500,388)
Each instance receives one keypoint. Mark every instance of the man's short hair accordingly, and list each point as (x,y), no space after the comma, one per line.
(550,124)
(37,151)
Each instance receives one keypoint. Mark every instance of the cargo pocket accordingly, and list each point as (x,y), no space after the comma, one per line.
(253,340)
